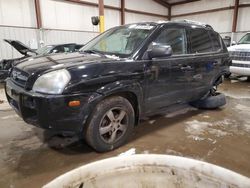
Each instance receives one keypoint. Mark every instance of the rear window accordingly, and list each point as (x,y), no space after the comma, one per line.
(200,41)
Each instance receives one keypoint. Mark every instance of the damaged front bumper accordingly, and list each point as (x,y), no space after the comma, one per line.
(48,111)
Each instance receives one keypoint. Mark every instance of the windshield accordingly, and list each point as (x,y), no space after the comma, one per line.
(245,39)
(44,50)
(121,41)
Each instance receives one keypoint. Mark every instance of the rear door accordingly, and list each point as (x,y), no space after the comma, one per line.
(202,50)
(219,55)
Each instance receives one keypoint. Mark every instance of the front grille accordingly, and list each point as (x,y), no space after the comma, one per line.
(240,56)
(19,77)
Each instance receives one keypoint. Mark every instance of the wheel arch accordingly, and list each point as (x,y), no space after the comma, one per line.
(132,98)
(218,79)
(130,90)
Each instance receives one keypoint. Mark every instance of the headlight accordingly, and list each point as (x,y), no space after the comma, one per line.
(52,82)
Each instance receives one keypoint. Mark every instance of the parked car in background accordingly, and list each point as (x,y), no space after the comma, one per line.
(7,64)
(227,41)
(124,74)
(240,54)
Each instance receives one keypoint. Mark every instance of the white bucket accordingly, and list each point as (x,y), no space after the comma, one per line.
(149,170)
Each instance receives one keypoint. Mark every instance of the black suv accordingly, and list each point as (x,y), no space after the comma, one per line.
(126,73)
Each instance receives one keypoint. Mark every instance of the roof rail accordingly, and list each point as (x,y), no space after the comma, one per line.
(196,22)
(162,21)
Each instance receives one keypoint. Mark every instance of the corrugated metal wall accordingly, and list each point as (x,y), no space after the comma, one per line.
(62,22)
(20,15)
(31,37)
(221,21)
(69,22)
(57,37)
(26,35)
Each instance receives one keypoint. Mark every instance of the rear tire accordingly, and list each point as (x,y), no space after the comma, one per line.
(111,124)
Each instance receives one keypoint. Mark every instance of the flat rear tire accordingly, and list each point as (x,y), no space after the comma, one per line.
(211,102)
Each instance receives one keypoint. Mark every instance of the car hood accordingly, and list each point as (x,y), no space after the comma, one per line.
(240,47)
(20,47)
(37,65)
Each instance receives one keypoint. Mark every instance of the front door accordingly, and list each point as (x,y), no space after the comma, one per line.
(167,78)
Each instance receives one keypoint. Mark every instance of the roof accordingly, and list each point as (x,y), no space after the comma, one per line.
(183,22)
(196,23)
(63,44)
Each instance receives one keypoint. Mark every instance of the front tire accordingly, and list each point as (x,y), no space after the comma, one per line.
(110,124)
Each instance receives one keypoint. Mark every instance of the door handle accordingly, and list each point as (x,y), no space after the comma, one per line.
(216,63)
(186,68)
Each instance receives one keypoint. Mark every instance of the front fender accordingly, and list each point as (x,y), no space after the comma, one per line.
(122,86)
(118,87)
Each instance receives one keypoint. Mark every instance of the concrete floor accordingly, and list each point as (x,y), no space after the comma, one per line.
(31,157)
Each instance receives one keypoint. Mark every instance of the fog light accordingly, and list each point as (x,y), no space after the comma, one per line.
(74,103)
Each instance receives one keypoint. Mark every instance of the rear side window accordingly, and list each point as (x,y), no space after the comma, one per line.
(216,41)
(200,41)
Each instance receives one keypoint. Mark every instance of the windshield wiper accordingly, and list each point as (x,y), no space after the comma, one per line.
(94,52)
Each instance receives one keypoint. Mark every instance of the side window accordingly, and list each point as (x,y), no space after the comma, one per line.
(176,38)
(58,49)
(216,41)
(200,41)
(77,47)
(69,48)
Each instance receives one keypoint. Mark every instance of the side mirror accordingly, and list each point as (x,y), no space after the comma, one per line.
(159,51)
(234,43)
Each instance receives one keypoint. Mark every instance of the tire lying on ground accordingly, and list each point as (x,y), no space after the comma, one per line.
(211,102)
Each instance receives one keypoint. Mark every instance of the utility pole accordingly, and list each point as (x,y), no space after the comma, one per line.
(122,12)
(235,18)
(39,23)
(101,16)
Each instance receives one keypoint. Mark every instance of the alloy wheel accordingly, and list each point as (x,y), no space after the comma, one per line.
(113,125)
